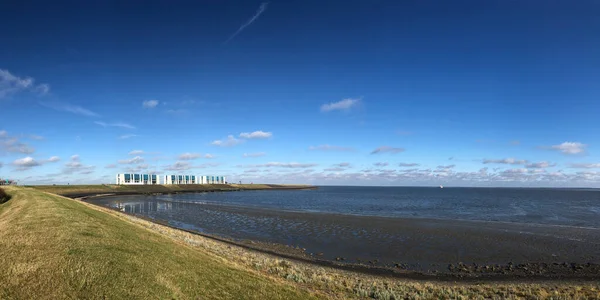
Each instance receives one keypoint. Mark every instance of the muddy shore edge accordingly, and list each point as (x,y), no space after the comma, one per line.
(455,272)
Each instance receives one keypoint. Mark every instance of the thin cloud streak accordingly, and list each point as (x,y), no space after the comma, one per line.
(261,9)
(74,109)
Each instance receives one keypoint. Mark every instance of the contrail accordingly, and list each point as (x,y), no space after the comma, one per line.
(261,9)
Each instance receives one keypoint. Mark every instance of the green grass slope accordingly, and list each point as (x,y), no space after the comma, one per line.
(54,248)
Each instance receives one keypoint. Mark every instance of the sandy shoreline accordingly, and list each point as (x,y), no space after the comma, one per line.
(428,249)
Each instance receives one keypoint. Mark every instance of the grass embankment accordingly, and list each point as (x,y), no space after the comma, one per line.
(55,247)
(52,247)
(77,190)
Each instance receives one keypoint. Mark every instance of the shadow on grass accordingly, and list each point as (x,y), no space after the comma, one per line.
(3,196)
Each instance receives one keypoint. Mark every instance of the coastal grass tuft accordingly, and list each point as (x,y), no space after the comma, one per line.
(3,196)
(53,247)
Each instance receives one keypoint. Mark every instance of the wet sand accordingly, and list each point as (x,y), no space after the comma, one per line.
(425,246)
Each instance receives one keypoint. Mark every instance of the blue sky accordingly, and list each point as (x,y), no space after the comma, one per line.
(468,93)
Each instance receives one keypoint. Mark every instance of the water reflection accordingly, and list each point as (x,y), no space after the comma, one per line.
(361,238)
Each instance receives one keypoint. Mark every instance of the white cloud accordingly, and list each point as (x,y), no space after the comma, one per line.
(387,149)
(150,103)
(11,84)
(136,152)
(115,124)
(110,166)
(539,165)
(36,137)
(75,166)
(335,169)
(54,159)
(209,156)
(408,164)
(570,148)
(585,165)
(230,141)
(327,147)
(261,9)
(257,154)
(507,161)
(78,110)
(345,104)
(256,135)
(26,163)
(11,144)
(134,160)
(179,166)
(127,136)
(446,167)
(282,165)
(343,165)
(189,156)
(381,164)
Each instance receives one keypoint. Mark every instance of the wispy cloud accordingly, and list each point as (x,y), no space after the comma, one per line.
(78,110)
(110,166)
(257,154)
(228,142)
(115,124)
(189,156)
(327,147)
(11,84)
(282,165)
(540,165)
(127,136)
(381,164)
(256,135)
(150,103)
(11,144)
(408,164)
(506,161)
(179,166)
(36,137)
(261,9)
(585,165)
(387,149)
(136,152)
(446,167)
(75,166)
(53,159)
(345,104)
(131,161)
(568,148)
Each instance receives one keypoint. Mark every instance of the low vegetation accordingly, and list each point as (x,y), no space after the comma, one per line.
(3,196)
(54,247)
(76,190)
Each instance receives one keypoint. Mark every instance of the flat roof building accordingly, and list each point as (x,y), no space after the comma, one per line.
(137,179)
(193,179)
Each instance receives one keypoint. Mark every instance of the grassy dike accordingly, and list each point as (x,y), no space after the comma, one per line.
(54,247)
(84,190)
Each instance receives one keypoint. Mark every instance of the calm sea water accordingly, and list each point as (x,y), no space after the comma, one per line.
(571,207)
(423,226)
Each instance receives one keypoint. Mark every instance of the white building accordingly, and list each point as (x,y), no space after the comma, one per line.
(193,179)
(142,179)
(137,179)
